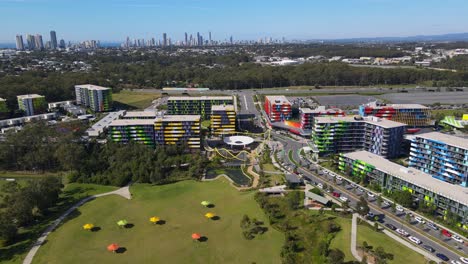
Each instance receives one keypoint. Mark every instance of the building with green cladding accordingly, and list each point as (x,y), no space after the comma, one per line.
(32,104)
(98,98)
(136,130)
(197,105)
(443,196)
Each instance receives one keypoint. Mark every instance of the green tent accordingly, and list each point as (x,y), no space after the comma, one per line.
(122,223)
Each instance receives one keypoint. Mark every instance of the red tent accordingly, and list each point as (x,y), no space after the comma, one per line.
(196,236)
(113,247)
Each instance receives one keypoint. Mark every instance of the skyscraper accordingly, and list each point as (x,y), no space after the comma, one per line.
(209,38)
(230,40)
(186,39)
(198,39)
(38,42)
(53,40)
(164,39)
(31,42)
(19,42)
(62,44)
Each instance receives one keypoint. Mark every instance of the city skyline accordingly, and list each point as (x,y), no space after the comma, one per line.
(114,21)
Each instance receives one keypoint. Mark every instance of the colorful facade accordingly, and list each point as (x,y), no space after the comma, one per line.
(344,134)
(163,130)
(307,115)
(443,156)
(32,104)
(98,98)
(414,115)
(391,177)
(223,120)
(201,105)
(278,108)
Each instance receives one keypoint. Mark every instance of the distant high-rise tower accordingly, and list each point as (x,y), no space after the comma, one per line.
(19,42)
(31,42)
(38,42)
(230,40)
(164,39)
(210,37)
(186,39)
(53,39)
(198,38)
(62,44)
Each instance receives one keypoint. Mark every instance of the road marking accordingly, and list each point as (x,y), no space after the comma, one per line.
(246,105)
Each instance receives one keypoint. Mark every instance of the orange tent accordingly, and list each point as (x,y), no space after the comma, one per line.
(196,236)
(113,247)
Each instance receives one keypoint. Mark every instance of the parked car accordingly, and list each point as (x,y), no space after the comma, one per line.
(457,238)
(392,227)
(432,225)
(344,199)
(402,232)
(385,204)
(415,240)
(455,262)
(370,215)
(400,209)
(464,260)
(320,185)
(446,233)
(428,248)
(339,178)
(442,257)
(336,194)
(370,194)
(419,220)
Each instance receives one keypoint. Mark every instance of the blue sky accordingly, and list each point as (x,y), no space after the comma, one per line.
(113,20)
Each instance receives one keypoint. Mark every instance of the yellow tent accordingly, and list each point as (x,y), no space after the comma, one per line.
(88,226)
(209,215)
(154,219)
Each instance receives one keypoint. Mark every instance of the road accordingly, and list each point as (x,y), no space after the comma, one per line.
(387,217)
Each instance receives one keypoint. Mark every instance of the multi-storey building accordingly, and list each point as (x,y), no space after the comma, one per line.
(278,108)
(201,105)
(98,98)
(391,176)
(161,130)
(307,115)
(223,120)
(140,115)
(414,115)
(32,104)
(445,157)
(345,134)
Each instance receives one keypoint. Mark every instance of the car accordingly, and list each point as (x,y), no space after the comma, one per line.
(370,194)
(344,199)
(428,248)
(446,233)
(442,257)
(370,215)
(353,185)
(392,227)
(339,178)
(415,240)
(399,208)
(455,262)
(385,204)
(402,232)
(360,190)
(432,225)
(419,220)
(457,238)
(336,194)
(320,185)
(464,260)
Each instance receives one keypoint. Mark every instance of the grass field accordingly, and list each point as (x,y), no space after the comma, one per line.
(342,240)
(400,252)
(179,205)
(449,112)
(135,100)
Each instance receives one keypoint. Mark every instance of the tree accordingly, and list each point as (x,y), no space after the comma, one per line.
(336,256)
(362,206)
(404,198)
(393,207)
(408,218)
(8,229)
(379,200)
(294,200)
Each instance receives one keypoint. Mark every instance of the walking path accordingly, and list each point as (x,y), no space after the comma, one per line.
(354,238)
(124,192)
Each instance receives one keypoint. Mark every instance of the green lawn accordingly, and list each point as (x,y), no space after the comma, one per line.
(449,112)
(135,100)
(179,205)
(400,252)
(342,240)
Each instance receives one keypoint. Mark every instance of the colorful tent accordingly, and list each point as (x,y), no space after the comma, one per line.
(113,247)
(196,236)
(205,203)
(154,219)
(88,226)
(209,215)
(122,223)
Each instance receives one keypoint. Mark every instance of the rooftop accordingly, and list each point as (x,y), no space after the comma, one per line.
(319,109)
(447,139)
(102,124)
(397,106)
(222,108)
(136,114)
(132,122)
(26,96)
(92,87)
(199,98)
(277,99)
(370,119)
(414,176)
(178,118)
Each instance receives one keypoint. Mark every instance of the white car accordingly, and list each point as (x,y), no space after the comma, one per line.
(400,209)
(457,238)
(320,185)
(370,194)
(339,178)
(402,232)
(455,262)
(385,204)
(419,219)
(344,199)
(464,260)
(415,240)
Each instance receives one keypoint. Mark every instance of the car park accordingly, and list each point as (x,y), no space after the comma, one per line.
(432,225)
(344,199)
(415,240)
(428,248)
(442,257)
(457,238)
(419,220)
(392,227)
